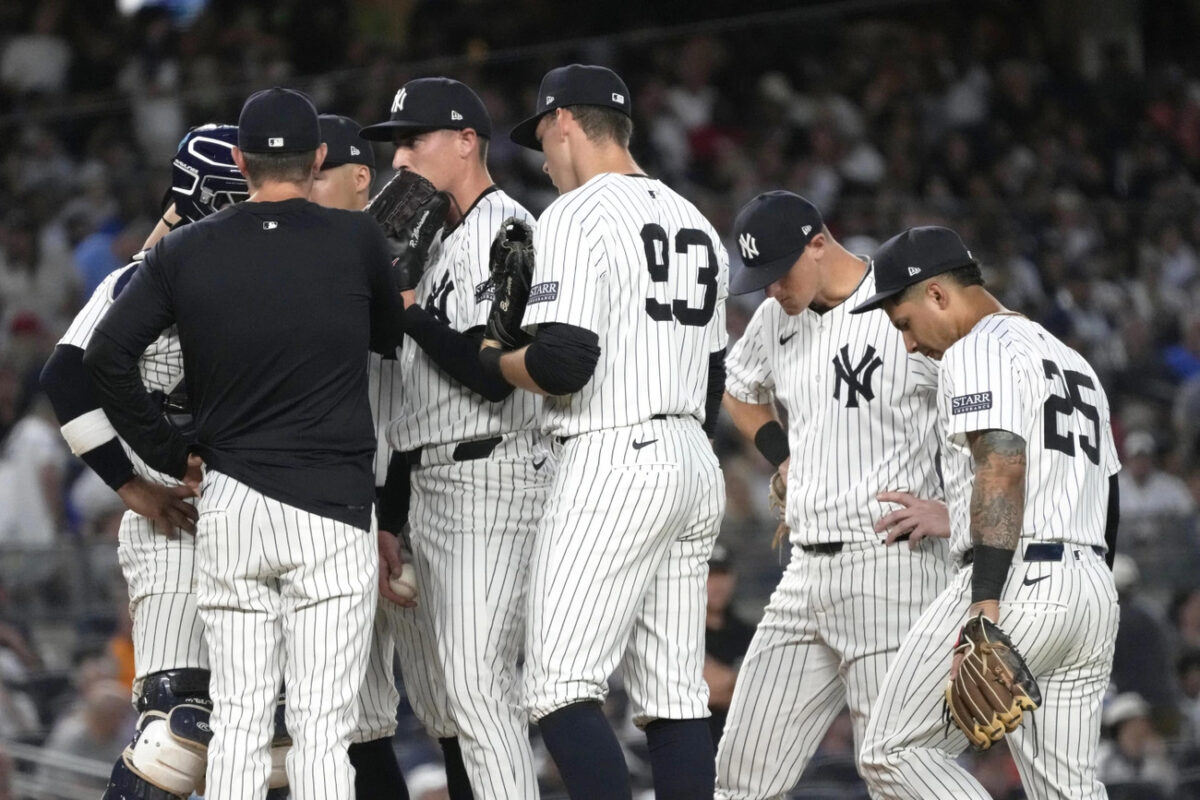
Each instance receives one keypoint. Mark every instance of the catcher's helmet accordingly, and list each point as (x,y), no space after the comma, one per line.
(204,178)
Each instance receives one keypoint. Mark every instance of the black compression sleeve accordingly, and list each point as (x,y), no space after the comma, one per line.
(1114,519)
(716,390)
(990,572)
(456,353)
(67,384)
(392,499)
(562,358)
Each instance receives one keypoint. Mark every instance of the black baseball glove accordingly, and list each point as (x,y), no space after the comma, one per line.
(410,212)
(511,266)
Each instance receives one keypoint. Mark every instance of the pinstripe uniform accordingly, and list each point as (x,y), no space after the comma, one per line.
(1058,605)
(620,561)
(861,420)
(327,596)
(472,519)
(167,633)
(408,631)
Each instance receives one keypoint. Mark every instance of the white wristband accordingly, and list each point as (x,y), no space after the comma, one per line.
(88,431)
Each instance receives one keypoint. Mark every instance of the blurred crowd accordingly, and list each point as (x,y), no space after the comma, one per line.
(1073,179)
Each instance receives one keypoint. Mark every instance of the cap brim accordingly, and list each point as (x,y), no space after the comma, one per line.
(384,131)
(746,279)
(525,134)
(876,301)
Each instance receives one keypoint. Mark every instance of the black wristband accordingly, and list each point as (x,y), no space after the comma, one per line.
(771,440)
(990,572)
(110,463)
(489,357)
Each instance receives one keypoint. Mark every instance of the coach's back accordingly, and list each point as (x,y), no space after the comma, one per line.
(275,304)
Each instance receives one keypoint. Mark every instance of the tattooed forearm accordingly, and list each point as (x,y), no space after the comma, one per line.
(998,499)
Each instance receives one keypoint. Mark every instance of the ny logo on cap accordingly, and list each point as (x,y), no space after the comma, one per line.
(398,101)
(914,271)
(354,151)
(748,246)
(618,98)
(275,141)
(454,115)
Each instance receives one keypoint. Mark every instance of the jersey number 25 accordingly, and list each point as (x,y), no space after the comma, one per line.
(658,262)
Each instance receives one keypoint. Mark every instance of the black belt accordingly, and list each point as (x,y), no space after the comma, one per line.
(463,451)
(833,548)
(565,439)
(1044,551)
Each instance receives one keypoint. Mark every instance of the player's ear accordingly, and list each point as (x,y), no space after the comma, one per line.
(937,294)
(322,151)
(466,140)
(240,160)
(362,178)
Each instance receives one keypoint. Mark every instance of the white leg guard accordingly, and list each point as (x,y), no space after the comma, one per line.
(170,750)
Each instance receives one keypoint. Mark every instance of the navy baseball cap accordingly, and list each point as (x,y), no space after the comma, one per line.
(278,121)
(911,257)
(772,231)
(346,146)
(573,85)
(430,104)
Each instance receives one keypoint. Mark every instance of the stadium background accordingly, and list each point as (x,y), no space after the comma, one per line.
(1061,138)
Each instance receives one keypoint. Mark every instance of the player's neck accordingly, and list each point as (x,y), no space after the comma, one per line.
(466,192)
(595,161)
(978,303)
(843,273)
(277,191)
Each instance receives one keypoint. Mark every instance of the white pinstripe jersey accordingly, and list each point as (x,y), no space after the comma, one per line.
(862,413)
(1009,373)
(161,366)
(626,257)
(435,408)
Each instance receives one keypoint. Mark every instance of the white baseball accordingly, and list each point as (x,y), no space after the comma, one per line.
(405,584)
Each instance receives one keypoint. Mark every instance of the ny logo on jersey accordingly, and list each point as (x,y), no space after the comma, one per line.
(856,378)
(748,246)
(439,297)
(398,101)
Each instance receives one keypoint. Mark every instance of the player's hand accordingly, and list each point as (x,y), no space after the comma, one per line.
(165,506)
(391,563)
(916,517)
(408,297)
(195,473)
(991,610)
(486,343)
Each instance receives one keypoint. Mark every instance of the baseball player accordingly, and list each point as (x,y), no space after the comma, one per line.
(861,419)
(1030,473)
(480,468)
(167,756)
(400,625)
(628,305)
(276,301)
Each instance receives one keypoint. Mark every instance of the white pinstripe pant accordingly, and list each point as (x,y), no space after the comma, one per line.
(828,634)
(167,633)
(407,632)
(619,571)
(285,595)
(473,525)
(1064,625)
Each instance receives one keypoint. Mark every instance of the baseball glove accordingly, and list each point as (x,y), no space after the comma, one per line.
(994,687)
(511,265)
(777,503)
(410,212)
